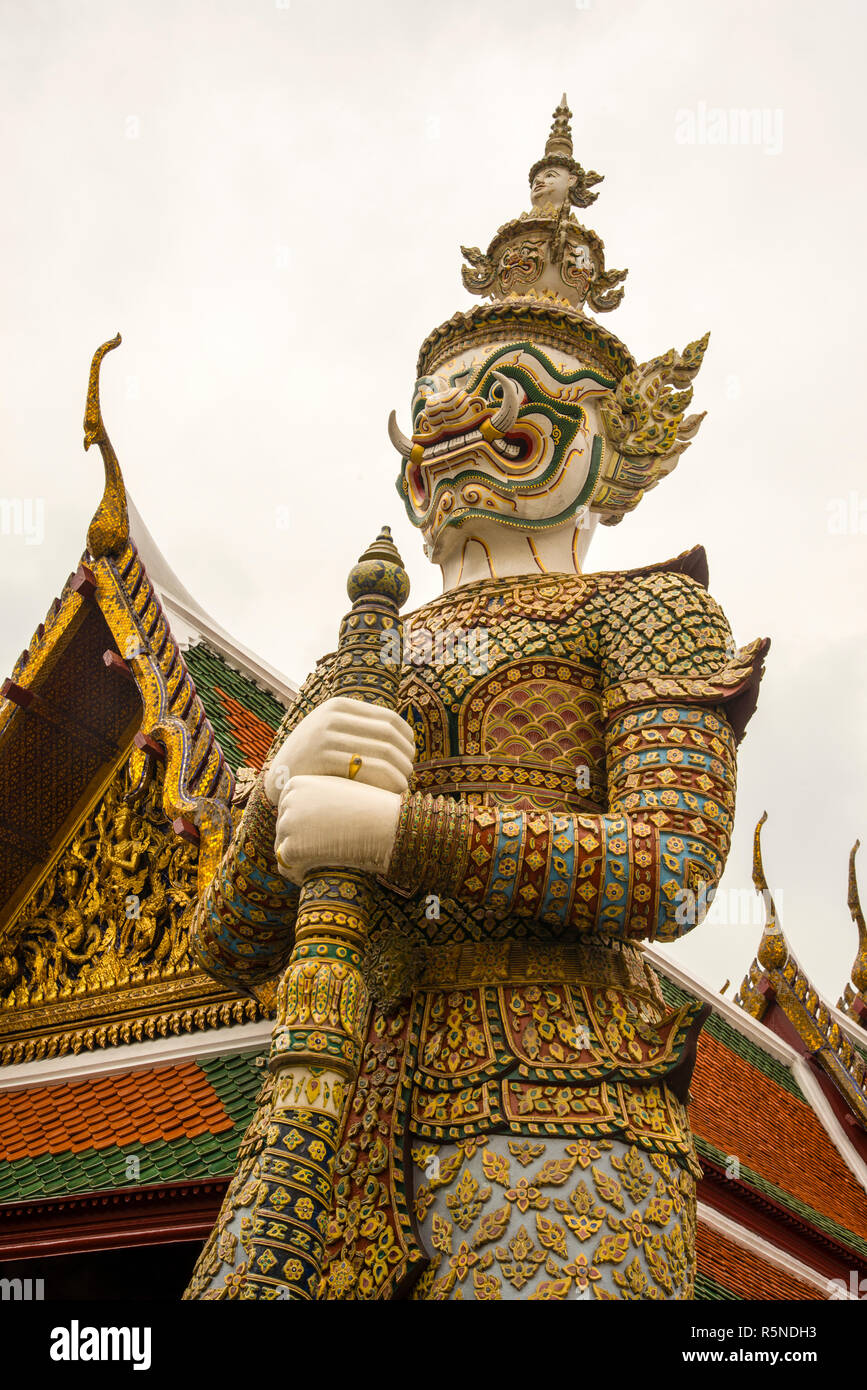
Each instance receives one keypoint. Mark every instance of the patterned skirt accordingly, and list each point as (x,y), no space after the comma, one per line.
(507,1218)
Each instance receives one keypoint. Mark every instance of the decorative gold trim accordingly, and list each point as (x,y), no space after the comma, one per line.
(140,1027)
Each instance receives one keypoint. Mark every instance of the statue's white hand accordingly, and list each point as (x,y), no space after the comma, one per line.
(334,822)
(343,738)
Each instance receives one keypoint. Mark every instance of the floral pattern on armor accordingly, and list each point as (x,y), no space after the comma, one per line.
(509,1219)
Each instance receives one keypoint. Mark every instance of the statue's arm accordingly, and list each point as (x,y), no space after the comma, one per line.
(619,873)
(636,870)
(244,925)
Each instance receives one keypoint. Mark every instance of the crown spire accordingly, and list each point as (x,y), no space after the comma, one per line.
(559,154)
(560,139)
(545,253)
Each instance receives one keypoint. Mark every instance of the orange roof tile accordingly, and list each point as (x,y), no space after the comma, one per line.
(744,1272)
(747,1115)
(252,735)
(155,1103)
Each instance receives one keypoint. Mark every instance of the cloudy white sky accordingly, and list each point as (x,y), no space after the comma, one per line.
(268,200)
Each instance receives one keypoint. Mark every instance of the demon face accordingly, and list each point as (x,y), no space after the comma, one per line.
(508,438)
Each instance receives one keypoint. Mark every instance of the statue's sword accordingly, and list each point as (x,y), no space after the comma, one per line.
(322,1002)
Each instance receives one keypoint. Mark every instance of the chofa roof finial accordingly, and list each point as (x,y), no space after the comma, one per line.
(109,529)
(773,950)
(859,969)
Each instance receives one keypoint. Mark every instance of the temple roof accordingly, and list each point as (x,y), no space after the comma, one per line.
(124,728)
(779,1160)
(777,991)
(190,622)
(179,1120)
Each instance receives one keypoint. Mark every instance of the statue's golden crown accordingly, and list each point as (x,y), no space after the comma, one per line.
(540,271)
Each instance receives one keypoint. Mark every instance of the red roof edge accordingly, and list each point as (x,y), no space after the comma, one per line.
(777,1224)
(120,1218)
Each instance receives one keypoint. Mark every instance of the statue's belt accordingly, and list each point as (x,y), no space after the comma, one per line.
(472,964)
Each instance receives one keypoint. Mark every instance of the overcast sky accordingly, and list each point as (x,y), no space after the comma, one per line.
(268,201)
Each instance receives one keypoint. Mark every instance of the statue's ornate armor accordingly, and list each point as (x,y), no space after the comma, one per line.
(519,1124)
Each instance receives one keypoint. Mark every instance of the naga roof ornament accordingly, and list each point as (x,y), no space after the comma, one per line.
(854,998)
(777,978)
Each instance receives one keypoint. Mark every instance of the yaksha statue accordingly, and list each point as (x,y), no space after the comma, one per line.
(477,1089)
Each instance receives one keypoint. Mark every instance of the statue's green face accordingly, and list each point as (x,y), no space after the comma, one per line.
(508,436)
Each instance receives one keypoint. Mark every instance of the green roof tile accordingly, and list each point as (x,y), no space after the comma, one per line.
(708,1288)
(209,671)
(235,1076)
(785,1199)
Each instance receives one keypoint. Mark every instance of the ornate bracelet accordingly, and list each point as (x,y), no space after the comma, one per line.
(431,845)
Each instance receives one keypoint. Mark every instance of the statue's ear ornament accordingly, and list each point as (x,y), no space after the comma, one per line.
(645,421)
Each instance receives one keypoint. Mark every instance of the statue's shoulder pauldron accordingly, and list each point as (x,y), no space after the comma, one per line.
(659,620)
(663,638)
